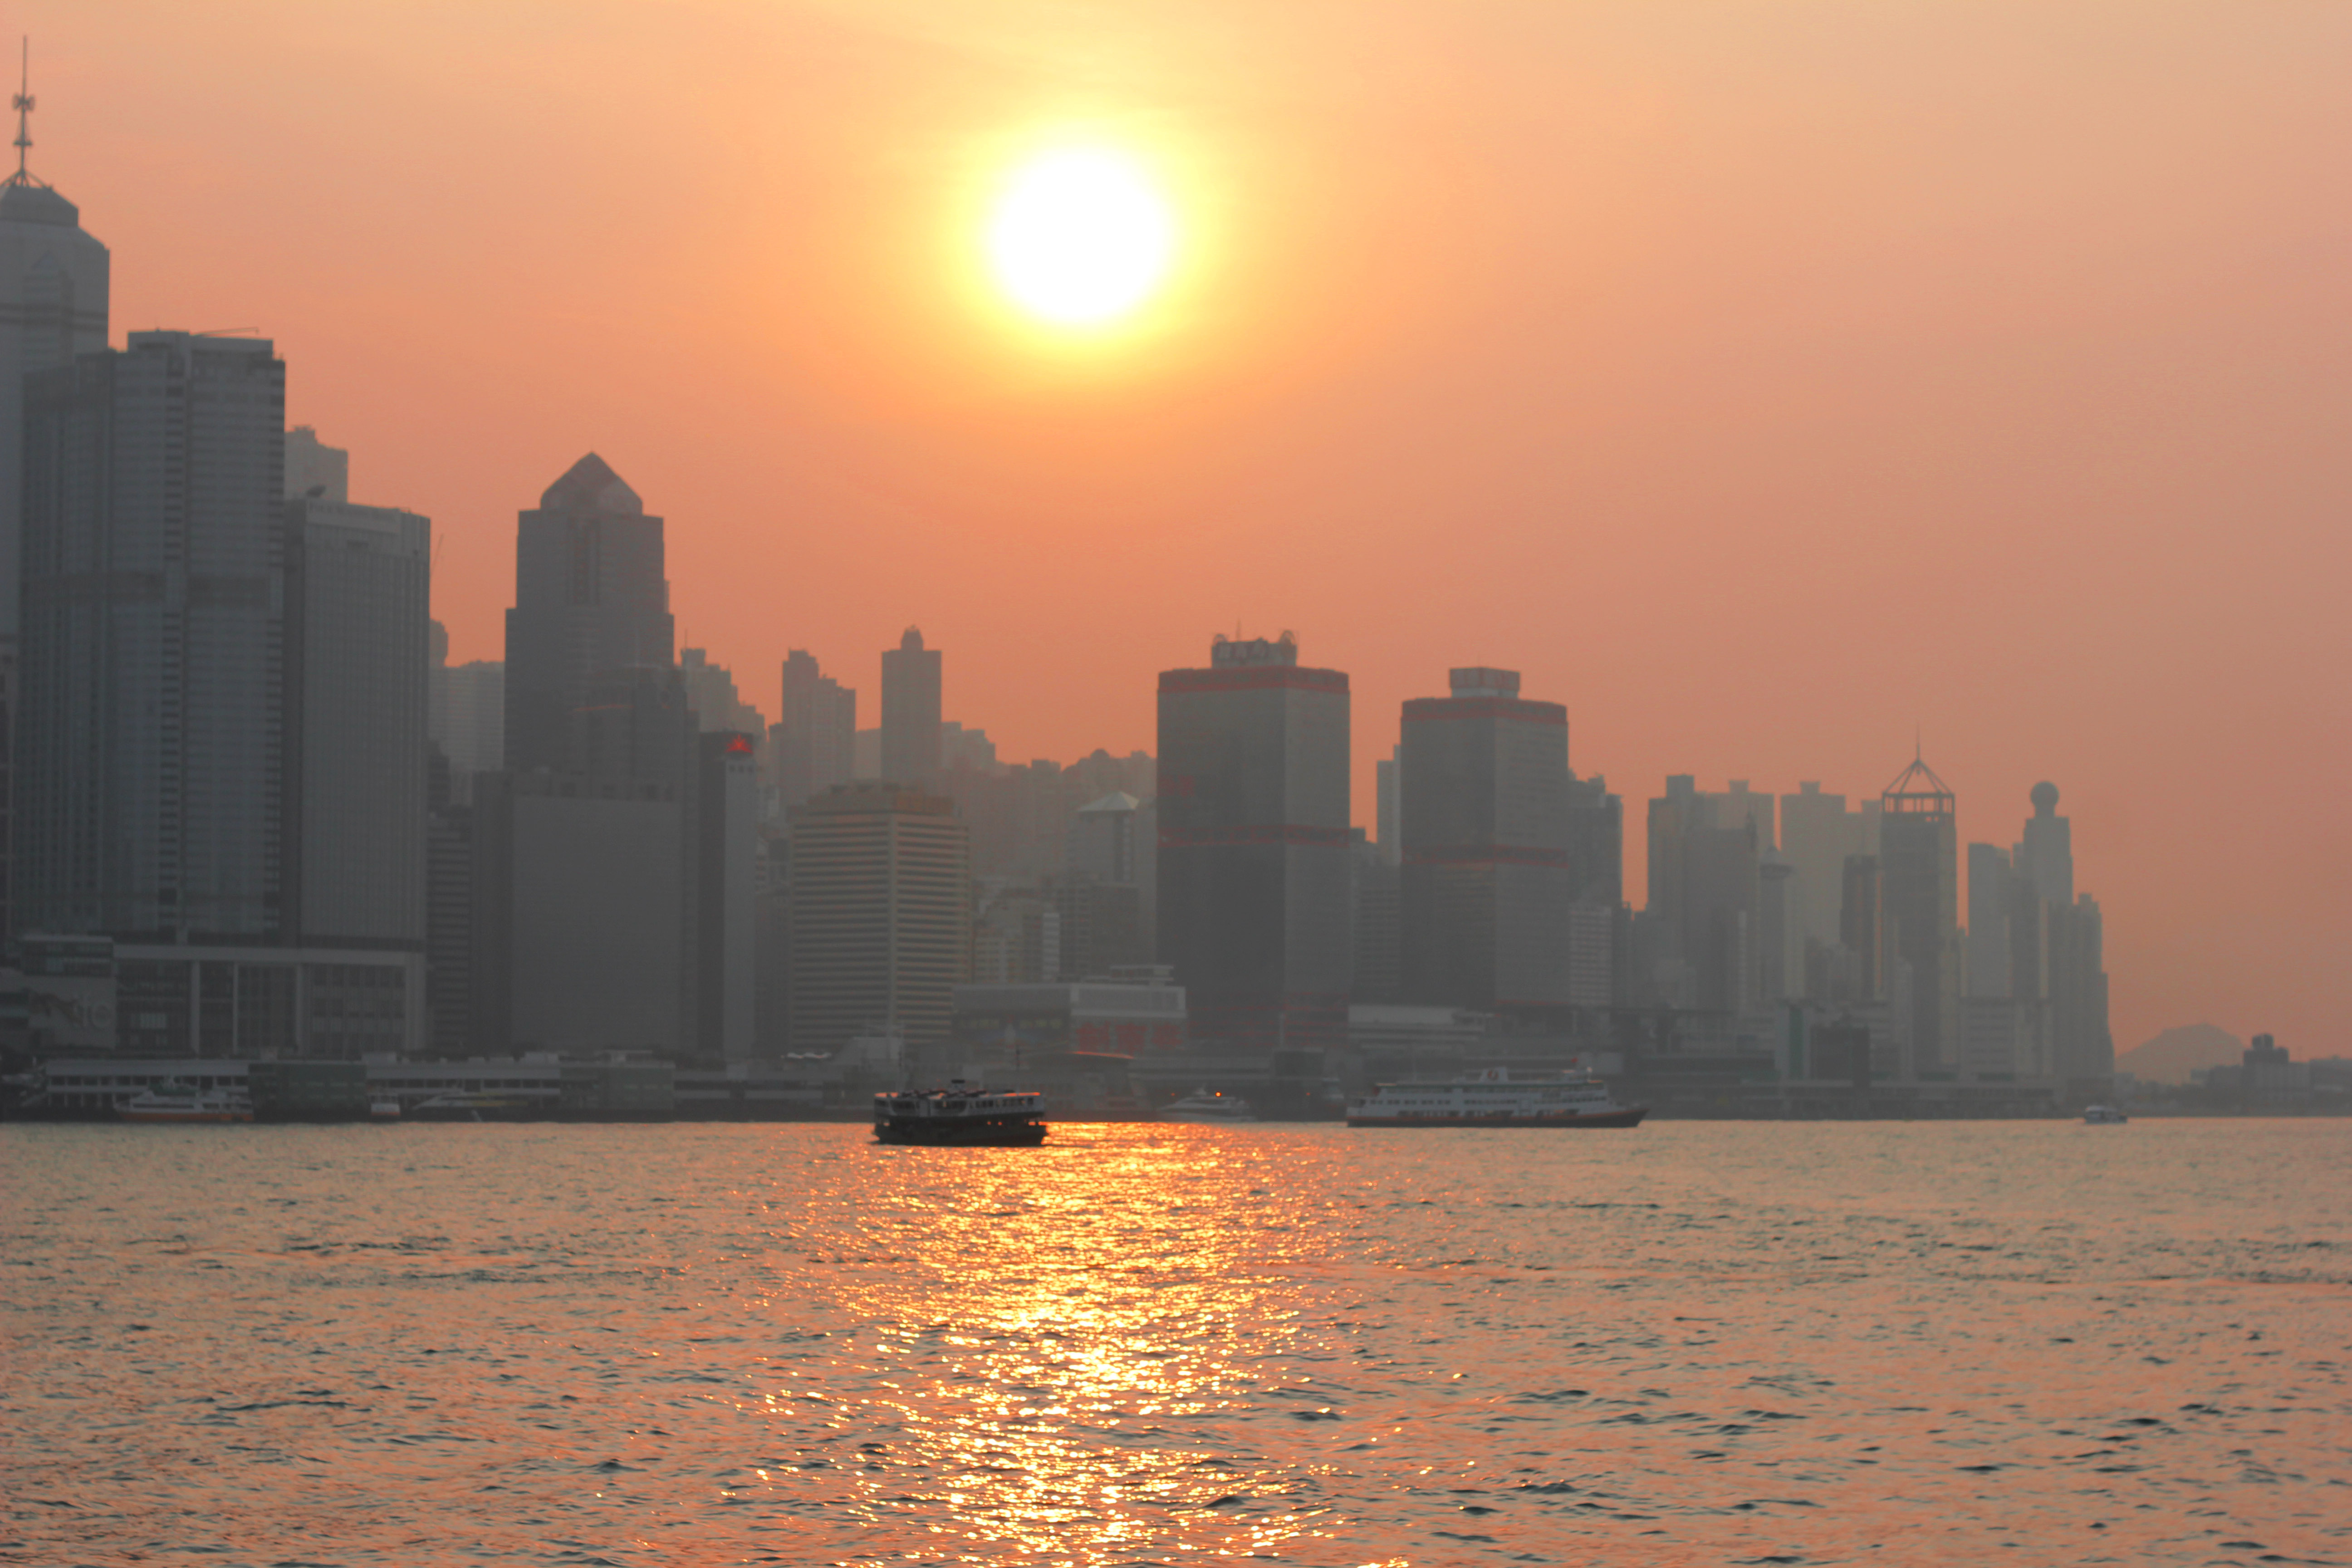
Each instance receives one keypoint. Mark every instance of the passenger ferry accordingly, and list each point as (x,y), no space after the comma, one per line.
(961,1115)
(1493,1098)
(2104,1116)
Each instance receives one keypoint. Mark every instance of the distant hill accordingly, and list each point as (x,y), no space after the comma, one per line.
(2168,1057)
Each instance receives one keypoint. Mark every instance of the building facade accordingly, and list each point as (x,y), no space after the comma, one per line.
(878,912)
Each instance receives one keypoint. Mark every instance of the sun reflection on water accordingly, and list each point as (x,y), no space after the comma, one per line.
(1078,1319)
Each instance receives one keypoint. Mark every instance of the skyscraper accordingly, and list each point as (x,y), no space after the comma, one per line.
(811,746)
(1255,894)
(1817,834)
(879,904)
(2057,943)
(1989,897)
(359,583)
(1487,882)
(585,906)
(591,597)
(153,744)
(1920,905)
(1703,942)
(725,947)
(911,713)
(710,692)
(468,708)
(53,307)
(223,745)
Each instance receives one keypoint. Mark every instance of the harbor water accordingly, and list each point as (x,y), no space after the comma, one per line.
(1717,1342)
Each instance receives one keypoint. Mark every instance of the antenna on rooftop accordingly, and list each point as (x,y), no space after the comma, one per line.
(23,105)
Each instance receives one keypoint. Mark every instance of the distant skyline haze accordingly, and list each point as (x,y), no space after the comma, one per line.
(1768,386)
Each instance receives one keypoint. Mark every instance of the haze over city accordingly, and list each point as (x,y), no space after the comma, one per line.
(1771,386)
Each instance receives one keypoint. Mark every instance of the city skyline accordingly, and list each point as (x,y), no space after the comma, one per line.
(2141,618)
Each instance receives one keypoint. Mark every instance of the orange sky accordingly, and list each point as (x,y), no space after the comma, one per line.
(1762,380)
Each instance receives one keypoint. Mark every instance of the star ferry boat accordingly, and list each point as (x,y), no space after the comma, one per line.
(1494,1098)
(962,1116)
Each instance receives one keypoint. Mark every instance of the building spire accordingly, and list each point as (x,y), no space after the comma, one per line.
(23,106)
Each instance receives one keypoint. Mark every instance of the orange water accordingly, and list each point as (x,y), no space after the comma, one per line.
(2027,1342)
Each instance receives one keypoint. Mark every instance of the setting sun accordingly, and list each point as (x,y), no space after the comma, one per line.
(1080,238)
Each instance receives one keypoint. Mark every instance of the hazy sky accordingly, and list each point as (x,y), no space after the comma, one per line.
(1767,383)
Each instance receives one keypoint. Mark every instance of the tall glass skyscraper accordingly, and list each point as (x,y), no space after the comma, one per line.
(1487,883)
(153,778)
(592,597)
(1257,891)
(53,301)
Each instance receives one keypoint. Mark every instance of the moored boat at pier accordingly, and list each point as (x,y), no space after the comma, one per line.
(173,1101)
(1208,1106)
(1494,1098)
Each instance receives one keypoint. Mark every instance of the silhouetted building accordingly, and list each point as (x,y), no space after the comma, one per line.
(1380,926)
(205,776)
(1817,834)
(812,746)
(880,915)
(710,692)
(359,584)
(2057,959)
(590,596)
(1989,897)
(1487,883)
(724,944)
(580,910)
(1701,921)
(1109,897)
(53,307)
(1255,892)
(1773,875)
(1858,930)
(911,713)
(449,930)
(1918,848)
(1390,804)
(152,774)
(467,708)
(314,470)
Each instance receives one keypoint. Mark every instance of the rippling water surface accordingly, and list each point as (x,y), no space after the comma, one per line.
(1692,1342)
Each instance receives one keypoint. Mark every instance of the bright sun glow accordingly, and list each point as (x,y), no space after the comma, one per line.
(1081,237)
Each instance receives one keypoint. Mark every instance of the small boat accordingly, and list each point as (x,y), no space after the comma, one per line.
(960,1116)
(171,1101)
(1209,1106)
(2104,1116)
(383,1111)
(1494,1098)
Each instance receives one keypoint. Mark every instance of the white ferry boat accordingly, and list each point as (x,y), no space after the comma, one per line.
(171,1101)
(2104,1116)
(1494,1098)
(961,1115)
(1209,1106)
